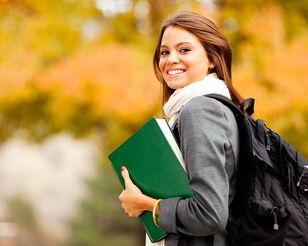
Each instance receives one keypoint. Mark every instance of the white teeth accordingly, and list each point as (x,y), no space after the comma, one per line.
(172,72)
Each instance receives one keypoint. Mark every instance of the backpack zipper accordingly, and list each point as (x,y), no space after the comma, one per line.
(274,212)
(302,175)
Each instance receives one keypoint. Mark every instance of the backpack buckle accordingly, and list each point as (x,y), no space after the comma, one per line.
(247,106)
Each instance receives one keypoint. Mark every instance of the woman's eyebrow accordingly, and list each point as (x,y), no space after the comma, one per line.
(177,45)
(183,43)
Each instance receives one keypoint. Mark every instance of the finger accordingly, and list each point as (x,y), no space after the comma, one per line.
(121,196)
(125,175)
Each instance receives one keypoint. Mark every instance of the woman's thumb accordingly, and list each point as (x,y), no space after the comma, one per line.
(125,175)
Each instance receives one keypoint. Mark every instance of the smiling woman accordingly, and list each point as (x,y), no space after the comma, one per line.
(192,59)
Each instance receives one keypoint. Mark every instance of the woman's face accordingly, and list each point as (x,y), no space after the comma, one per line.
(183,60)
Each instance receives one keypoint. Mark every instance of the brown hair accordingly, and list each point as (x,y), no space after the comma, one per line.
(215,44)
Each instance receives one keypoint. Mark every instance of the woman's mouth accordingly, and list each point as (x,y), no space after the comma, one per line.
(175,72)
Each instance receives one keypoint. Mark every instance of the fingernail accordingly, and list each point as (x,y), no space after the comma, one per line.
(122,168)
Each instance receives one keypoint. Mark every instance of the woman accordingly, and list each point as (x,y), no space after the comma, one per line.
(193,59)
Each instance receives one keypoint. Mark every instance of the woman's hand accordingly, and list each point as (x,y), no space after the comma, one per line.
(132,200)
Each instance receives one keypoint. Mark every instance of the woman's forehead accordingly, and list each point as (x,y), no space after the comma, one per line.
(175,35)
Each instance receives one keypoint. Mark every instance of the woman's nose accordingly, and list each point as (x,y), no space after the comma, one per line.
(173,58)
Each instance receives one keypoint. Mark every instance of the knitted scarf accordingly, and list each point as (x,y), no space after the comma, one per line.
(210,84)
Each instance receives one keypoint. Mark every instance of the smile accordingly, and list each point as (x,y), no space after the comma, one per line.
(173,72)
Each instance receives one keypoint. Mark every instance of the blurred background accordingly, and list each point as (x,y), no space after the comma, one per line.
(76,80)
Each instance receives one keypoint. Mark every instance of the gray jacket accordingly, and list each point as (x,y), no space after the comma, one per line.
(209,141)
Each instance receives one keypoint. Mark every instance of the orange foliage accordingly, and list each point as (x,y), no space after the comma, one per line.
(112,78)
(17,71)
(266,25)
(273,70)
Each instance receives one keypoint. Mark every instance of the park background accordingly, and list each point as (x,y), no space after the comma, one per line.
(76,79)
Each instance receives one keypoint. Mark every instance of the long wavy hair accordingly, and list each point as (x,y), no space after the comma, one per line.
(216,45)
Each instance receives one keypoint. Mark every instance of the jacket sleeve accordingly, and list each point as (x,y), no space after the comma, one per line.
(203,130)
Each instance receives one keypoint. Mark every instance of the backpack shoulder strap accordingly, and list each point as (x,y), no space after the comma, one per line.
(244,167)
(228,103)
(243,122)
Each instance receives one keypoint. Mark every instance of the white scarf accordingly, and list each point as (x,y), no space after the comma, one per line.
(210,84)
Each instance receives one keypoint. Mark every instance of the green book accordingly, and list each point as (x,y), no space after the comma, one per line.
(153,159)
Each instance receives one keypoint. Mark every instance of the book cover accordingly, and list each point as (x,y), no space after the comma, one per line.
(153,160)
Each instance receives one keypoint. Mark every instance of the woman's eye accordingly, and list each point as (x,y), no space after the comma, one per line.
(184,50)
(164,52)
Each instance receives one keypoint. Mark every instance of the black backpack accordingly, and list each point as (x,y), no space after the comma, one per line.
(271,202)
